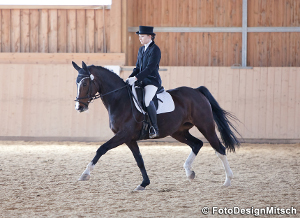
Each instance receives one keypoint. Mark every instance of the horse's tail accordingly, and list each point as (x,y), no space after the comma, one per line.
(221,118)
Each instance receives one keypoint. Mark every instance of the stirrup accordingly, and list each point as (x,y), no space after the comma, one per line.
(151,134)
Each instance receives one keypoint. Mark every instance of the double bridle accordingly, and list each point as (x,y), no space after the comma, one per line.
(96,96)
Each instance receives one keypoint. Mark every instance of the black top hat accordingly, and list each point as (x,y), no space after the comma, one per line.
(146,30)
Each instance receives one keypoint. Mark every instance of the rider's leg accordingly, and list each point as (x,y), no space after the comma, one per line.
(150,91)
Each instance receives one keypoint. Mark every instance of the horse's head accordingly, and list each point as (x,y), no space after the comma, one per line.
(86,88)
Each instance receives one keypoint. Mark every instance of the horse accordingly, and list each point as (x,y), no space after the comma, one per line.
(193,107)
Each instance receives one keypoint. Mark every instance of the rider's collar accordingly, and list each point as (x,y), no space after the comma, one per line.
(147,45)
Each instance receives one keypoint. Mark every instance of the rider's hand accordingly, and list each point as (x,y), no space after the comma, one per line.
(131,80)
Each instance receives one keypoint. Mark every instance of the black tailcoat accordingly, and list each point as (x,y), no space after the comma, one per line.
(147,65)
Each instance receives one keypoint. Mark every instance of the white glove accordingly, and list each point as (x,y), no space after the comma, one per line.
(131,80)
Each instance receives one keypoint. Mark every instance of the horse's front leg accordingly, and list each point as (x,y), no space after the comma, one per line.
(133,146)
(115,141)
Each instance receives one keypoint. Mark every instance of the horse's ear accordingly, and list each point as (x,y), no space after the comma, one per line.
(84,66)
(76,66)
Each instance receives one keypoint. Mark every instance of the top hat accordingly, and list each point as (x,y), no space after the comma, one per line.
(146,30)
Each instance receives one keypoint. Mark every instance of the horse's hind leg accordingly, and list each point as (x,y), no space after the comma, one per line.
(195,144)
(212,138)
(229,174)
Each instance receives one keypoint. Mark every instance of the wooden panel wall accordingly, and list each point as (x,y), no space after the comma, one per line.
(192,13)
(218,49)
(58,30)
(274,49)
(273,13)
(193,49)
(37,101)
(189,49)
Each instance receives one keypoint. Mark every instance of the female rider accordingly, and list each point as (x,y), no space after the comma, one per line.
(146,72)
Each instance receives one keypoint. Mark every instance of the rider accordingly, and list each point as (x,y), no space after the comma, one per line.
(146,72)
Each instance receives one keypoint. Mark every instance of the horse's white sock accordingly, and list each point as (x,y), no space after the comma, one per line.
(89,168)
(228,172)
(188,164)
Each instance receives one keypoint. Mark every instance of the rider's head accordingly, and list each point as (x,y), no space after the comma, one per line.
(144,38)
(146,34)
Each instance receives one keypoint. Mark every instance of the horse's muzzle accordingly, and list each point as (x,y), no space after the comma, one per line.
(80,108)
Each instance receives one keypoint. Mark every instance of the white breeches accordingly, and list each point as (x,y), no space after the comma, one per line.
(150,91)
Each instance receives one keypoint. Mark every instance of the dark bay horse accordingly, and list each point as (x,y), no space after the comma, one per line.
(193,107)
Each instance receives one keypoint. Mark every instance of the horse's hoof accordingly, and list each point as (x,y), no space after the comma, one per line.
(84,177)
(139,188)
(192,176)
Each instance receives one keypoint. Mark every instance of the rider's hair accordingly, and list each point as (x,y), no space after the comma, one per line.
(152,37)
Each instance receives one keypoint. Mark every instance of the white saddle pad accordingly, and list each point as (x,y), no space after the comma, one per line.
(164,106)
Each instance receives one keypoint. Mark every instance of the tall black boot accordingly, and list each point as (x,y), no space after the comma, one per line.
(153,132)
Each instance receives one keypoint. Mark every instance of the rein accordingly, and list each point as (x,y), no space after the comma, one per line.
(100,96)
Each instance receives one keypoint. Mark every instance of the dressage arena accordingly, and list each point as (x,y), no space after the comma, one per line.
(40,179)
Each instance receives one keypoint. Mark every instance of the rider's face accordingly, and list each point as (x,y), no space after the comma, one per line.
(144,39)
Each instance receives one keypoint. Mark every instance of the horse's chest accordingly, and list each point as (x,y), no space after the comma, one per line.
(113,126)
(114,123)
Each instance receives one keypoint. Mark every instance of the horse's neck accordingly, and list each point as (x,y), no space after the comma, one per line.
(113,97)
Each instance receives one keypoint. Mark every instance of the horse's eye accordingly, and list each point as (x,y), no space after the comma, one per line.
(84,84)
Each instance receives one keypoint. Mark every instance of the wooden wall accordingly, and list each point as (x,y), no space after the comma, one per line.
(218,49)
(189,49)
(48,30)
(192,13)
(88,30)
(193,49)
(273,13)
(274,49)
(55,30)
(37,101)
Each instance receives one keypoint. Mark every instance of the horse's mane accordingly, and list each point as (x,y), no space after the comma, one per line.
(107,71)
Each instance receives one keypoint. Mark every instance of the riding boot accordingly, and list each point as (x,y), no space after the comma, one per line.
(153,131)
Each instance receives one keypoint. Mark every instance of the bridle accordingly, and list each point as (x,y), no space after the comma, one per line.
(97,95)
